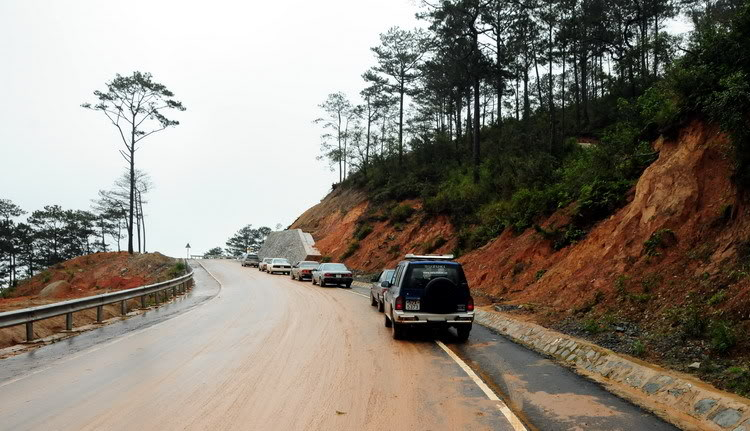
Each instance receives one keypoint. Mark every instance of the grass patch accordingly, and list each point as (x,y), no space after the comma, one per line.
(401,213)
(591,326)
(177,270)
(717,298)
(659,240)
(637,348)
(362,231)
(353,247)
(722,336)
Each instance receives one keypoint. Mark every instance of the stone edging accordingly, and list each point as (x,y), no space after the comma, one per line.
(680,399)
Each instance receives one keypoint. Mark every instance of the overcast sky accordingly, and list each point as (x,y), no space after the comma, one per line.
(251,75)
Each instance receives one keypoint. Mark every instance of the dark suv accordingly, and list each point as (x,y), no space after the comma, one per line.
(428,291)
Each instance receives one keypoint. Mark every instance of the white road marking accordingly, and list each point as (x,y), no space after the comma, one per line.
(107,344)
(514,421)
(509,415)
(357,293)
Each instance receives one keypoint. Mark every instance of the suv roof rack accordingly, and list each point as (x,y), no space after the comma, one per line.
(411,256)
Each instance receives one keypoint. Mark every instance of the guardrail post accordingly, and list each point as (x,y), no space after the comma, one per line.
(123,307)
(69,322)
(143,301)
(99,313)
(29,331)
(174,291)
(156,298)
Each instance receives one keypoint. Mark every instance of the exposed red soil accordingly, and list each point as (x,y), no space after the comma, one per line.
(333,223)
(88,275)
(687,194)
(687,190)
(92,274)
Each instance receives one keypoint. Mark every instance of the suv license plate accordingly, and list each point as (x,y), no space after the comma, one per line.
(338,275)
(412,305)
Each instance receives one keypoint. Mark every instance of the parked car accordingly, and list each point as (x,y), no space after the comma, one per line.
(376,288)
(250,260)
(302,270)
(428,291)
(262,266)
(280,265)
(332,273)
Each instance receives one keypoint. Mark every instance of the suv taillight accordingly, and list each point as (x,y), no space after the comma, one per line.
(399,303)
(470,304)
(327,274)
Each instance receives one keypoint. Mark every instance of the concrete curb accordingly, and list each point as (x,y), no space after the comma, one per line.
(675,397)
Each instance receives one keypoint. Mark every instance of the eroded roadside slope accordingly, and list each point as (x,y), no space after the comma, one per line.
(664,278)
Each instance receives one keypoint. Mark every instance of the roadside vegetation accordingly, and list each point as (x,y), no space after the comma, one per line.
(516,110)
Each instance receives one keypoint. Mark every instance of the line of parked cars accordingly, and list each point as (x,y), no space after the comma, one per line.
(421,291)
(324,274)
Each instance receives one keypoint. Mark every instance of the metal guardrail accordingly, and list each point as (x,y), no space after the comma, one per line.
(30,315)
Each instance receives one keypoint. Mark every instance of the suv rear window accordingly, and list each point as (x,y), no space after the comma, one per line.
(421,273)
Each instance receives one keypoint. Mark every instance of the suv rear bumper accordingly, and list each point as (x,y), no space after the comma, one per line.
(433,319)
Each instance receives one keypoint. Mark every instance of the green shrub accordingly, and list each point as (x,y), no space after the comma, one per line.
(591,326)
(539,274)
(689,319)
(362,231)
(177,270)
(353,247)
(326,259)
(638,349)
(717,298)
(600,199)
(661,239)
(722,336)
(401,213)
(561,237)
(639,297)
(738,379)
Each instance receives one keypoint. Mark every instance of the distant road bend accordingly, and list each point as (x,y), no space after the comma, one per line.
(268,353)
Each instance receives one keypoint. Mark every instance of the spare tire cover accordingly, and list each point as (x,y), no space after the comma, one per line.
(440,296)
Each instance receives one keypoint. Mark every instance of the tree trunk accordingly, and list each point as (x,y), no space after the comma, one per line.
(584,87)
(131,202)
(138,224)
(459,131)
(562,100)
(476,142)
(468,118)
(143,219)
(577,87)
(401,122)
(341,154)
(551,93)
(367,149)
(526,101)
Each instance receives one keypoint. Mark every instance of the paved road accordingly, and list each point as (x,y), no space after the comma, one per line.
(268,353)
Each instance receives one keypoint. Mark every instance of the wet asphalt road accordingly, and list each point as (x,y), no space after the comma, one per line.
(545,395)
(264,352)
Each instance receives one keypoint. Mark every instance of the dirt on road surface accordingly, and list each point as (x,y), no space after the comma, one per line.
(265,353)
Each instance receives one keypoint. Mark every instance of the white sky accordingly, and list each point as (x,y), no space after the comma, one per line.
(251,75)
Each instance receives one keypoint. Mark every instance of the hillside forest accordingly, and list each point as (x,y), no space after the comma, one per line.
(495,113)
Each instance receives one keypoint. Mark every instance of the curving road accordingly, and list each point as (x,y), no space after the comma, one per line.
(264,352)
